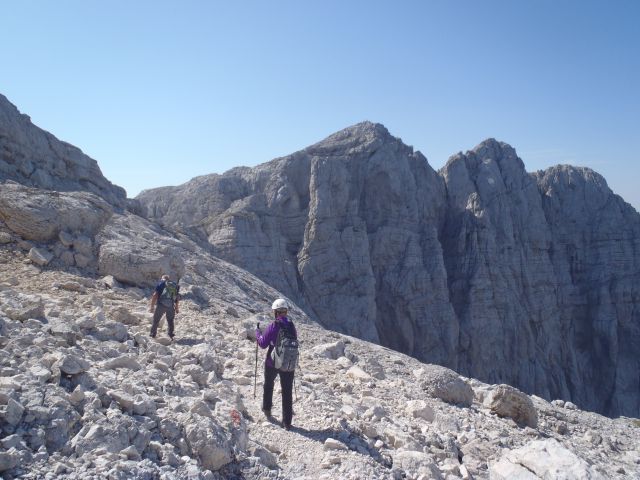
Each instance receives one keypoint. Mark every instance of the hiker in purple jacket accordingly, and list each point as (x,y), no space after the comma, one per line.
(268,340)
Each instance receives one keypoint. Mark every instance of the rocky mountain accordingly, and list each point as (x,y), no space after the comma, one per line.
(86,394)
(34,157)
(530,279)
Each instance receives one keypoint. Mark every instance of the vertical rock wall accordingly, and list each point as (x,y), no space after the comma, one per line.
(510,277)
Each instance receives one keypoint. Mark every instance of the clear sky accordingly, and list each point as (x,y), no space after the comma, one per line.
(159,92)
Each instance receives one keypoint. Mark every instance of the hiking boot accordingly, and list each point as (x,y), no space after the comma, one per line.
(287,427)
(267,413)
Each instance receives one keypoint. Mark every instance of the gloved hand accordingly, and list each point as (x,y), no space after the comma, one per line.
(258,331)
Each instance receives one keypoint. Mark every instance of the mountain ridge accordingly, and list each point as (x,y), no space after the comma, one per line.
(366,184)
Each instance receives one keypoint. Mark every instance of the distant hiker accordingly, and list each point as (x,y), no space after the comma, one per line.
(166,297)
(282,357)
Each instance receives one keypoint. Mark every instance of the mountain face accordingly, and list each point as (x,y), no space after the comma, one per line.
(524,278)
(34,157)
(85,393)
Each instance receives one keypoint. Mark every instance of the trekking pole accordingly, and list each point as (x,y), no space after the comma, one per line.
(255,375)
(295,385)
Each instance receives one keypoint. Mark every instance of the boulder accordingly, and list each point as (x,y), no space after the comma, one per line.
(136,252)
(207,441)
(508,401)
(333,350)
(445,384)
(419,409)
(11,412)
(72,365)
(543,459)
(40,216)
(40,256)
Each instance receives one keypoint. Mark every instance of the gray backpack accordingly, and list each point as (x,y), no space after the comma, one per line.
(285,352)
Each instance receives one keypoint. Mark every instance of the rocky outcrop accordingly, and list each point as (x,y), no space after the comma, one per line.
(507,276)
(34,157)
(38,215)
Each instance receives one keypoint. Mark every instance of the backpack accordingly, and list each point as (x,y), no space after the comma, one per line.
(285,352)
(169,294)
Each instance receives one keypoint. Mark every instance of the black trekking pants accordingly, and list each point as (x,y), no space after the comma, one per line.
(157,315)
(286,385)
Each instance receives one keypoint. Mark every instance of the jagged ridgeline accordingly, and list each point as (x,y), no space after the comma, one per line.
(530,279)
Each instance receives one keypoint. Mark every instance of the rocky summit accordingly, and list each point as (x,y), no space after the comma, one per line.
(85,393)
(529,279)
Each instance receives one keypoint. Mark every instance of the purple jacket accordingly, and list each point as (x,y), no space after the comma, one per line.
(268,339)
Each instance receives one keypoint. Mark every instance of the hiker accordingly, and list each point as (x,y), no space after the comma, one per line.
(282,357)
(165,300)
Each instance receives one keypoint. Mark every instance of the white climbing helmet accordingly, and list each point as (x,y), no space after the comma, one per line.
(280,304)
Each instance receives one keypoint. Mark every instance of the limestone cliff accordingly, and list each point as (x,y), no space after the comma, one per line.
(34,157)
(507,276)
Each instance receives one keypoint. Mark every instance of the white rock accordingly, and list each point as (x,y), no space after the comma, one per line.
(348,411)
(417,463)
(344,362)
(543,459)
(22,307)
(420,409)
(11,412)
(358,374)
(123,399)
(124,361)
(41,373)
(267,458)
(10,384)
(131,453)
(77,396)
(207,441)
(570,406)
(72,365)
(333,444)
(329,350)
(39,256)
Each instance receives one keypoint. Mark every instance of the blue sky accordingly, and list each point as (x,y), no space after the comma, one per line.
(159,92)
